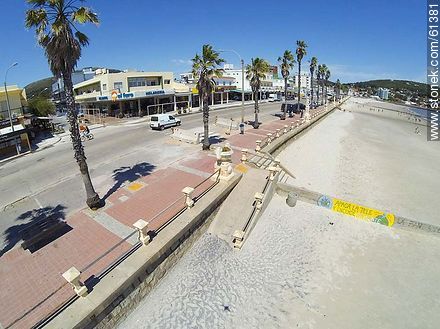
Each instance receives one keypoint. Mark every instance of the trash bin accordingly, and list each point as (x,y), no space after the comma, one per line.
(241,128)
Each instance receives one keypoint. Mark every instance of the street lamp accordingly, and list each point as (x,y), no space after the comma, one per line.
(7,97)
(242,80)
(38,95)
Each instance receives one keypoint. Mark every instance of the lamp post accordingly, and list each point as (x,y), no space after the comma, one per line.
(38,95)
(7,97)
(242,80)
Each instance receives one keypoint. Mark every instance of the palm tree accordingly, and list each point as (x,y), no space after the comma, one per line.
(326,77)
(321,74)
(205,68)
(338,89)
(55,23)
(254,73)
(313,64)
(286,63)
(300,53)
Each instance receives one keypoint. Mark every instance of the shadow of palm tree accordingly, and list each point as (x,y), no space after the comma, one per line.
(128,174)
(33,218)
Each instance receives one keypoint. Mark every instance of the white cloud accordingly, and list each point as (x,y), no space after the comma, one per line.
(181,61)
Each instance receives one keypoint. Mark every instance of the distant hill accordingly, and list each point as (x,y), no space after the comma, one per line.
(37,87)
(407,87)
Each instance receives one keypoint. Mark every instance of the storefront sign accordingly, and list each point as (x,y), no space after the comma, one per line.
(125,95)
(155,92)
(102,98)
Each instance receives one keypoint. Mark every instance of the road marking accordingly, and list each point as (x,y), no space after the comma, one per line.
(38,203)
(241,168)
(135,186)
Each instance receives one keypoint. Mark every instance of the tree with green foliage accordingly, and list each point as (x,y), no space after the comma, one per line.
(301,51)
(41,106)
(338,89)
(255,72)
(326,77)
(313,65)
(205,68)
(286,64)
(55,23)
(322,69)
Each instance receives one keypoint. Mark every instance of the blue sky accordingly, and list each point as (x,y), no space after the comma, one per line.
(358,39)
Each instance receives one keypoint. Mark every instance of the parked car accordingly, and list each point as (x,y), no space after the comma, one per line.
(162,121)
(274,98)
(292,107)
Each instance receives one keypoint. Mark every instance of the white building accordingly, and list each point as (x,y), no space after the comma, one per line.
(132,93)
(305,81)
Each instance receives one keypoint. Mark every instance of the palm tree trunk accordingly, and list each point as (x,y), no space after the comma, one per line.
(311,87)
(256,124)
(285,97)
(299,85)
(205,121)
(93,200)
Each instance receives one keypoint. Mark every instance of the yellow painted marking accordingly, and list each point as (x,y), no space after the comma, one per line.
(135,186)
(241,168)
(361,212)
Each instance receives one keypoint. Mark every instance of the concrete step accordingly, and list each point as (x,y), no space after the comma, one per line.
(237,208)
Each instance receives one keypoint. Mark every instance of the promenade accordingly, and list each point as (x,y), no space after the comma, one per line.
(32,284)
(308,267)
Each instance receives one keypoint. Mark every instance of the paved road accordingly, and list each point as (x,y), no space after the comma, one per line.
(51,177)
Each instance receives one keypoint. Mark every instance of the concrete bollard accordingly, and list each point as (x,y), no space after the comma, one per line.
(269,138)
(188,191)
(277,133)
(277,162)
(257,146)
(258,200)
(286,129)
(142,227)
(73,276)
(244,157)
(273,171)
(238,238)
(297,124)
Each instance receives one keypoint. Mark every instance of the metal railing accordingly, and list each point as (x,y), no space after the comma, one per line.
(168,214)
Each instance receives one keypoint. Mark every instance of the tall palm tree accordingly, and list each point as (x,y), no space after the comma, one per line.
(326,77)
(313,64)
(205,68)
(254,73)
(286,64)
(322,68)
(55,23)
(338,89)
(300,53)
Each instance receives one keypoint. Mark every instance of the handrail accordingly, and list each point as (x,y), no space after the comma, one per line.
(281,165)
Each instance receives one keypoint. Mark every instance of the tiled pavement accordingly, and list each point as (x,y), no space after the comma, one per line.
(31,284)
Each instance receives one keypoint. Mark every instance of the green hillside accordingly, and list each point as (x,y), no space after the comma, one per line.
(35,88)
(412,88)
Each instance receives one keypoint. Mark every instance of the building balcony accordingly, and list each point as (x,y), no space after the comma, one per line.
(90,95)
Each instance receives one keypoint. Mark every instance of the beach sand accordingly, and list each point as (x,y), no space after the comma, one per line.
(308,267)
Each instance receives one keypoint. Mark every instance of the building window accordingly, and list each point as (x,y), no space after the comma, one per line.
(166,82)
(104,86)
(118,85)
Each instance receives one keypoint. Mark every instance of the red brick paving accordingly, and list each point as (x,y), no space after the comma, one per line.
(28,279)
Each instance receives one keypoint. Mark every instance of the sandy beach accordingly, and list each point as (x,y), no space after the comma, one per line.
(308,267)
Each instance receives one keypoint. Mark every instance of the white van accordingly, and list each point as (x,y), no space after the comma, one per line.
(162,121)
(273,98)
